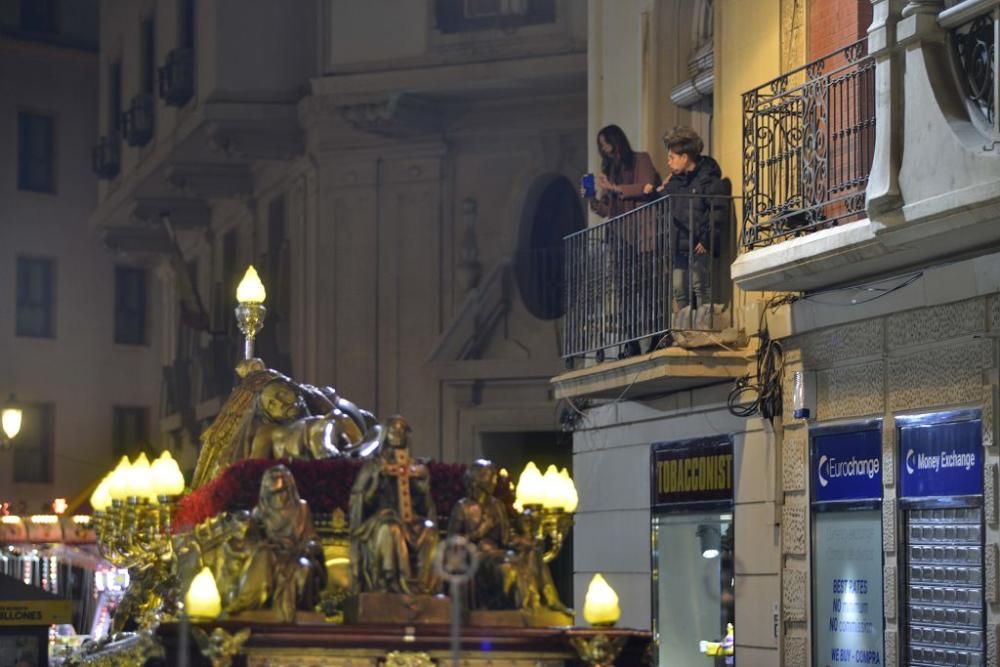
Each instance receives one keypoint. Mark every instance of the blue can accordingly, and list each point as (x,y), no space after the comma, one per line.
(588,186)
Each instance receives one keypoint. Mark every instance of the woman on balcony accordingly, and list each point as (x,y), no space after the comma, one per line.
(622,186)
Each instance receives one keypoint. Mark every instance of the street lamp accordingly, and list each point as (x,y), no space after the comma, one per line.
(10,420)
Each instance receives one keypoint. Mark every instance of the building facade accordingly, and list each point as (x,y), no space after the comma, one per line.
(401,175)
(863,514)
(78,325)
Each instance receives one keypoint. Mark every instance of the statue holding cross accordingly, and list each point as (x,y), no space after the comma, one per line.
(393,521)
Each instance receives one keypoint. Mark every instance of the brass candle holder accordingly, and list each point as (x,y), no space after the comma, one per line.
(250,312)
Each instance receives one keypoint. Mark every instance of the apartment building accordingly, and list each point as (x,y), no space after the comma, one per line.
(79,326)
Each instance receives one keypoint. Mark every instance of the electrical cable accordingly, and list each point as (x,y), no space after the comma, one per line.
(761,395)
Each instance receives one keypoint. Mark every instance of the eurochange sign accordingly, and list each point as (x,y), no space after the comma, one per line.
(847,466)
(941,460)
(693,471)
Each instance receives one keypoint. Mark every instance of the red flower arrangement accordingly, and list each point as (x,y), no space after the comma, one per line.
(325,485)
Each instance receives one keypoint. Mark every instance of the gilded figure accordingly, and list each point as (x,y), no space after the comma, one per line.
(393,521)
(270,416)
(482,519)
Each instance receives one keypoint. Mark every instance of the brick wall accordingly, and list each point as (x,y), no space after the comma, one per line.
(836,23)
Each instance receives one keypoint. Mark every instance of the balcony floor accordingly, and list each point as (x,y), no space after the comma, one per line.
(663,371)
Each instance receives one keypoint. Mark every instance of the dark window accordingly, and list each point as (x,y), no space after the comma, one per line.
(148,55)
(186,24)
(38,16)
(129,431)
(35,297)
(471,15)
(275,238)
(274,340)
(33,446)
(552,211)
(230,248)
(115,99)
(130,305)
(35,152)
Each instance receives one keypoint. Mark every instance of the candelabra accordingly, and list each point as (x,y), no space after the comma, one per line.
(546,503)
(134,508)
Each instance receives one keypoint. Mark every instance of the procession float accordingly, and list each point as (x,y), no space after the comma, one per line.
(308,535)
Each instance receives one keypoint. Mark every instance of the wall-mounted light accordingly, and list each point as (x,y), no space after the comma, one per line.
(10,420)
(803,394)
(711,540)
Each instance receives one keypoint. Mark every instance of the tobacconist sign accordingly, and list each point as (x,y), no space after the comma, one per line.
(692,471)
(941,460)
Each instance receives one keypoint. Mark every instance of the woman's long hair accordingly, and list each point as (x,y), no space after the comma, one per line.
(612,167)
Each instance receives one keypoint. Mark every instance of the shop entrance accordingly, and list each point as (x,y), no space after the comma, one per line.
(941,494)
(693,536)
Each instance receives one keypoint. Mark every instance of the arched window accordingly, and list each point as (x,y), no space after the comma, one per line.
(551,211)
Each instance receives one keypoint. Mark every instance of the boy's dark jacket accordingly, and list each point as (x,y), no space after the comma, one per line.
(707,213)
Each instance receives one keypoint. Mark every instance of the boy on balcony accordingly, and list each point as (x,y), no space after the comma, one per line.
(697,212)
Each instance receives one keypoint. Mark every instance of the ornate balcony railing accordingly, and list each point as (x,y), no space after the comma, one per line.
(105,157)
(177,77)
(630,278)
(137,121)
(808,143)
(974,27)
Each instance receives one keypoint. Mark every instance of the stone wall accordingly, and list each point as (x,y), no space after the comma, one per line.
(931,358)
(611,465)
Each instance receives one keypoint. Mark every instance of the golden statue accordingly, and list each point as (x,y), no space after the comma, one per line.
(393,521)
(283,566)
(269,416)
(482,519)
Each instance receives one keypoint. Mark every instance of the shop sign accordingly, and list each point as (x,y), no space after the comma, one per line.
(694,471)
(35,612)
(847,466)
(847,589)
(941,460)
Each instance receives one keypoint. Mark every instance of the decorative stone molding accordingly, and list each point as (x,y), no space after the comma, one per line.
(211,181)
(992,641)
(822,349)
(850,391)
(279,142)
(989,426)
(927,325)
(793,595)
(397,115)
(889,526)
(794,530)
(889,593)
(891,648)
(793,459)
(183,213)
(992,562)
(888,452)
(883,194)
(795,651)
(995,312)
(943,376)
(990,494)
(932,7)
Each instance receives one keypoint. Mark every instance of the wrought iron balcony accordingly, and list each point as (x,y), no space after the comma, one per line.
(137,122)
(631,277)
(974,25)
(177,78)
(808,143)
(105,157)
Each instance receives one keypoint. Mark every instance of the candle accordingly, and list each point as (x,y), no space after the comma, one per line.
(202,599)
(600,606)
